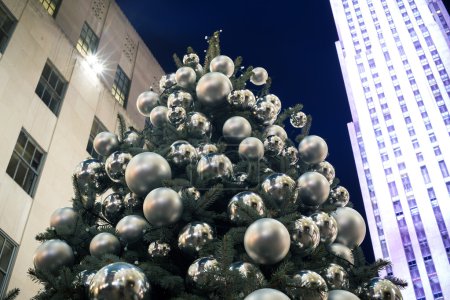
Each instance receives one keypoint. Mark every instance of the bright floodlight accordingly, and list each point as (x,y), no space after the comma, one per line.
(94,63)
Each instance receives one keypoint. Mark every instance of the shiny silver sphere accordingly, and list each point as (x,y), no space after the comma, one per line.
(132,139)
(189,192)
(273,145)
(64,220)
(104,243)
(327,225)
(339,197)
(251,149)
(167,81)
(259,76)
(133,201)
(176,115)
(276,130)
(116,165)
(194,236)
(384,289)
(305,235)
(291,153)
(158,116)
(342,252)
(326,169)
(245,269)
(241,99)
(131,228)
(265,112)
(113,207)
(198,125)
(214,166)
(267,294)
(222,64)
(52,255)
(235,129)
(91,175)
(204,149)
(197,271)
(162,207)
(212,88)
(351,227)
(158,249)
(185,77)
(274,100)
(298,119)
(191,58)
(341,295)
(279,188)
(105,143)
(245,199)
(146,102)
(84,278)
(180,98)
(313,149)
(308,285)
(313,189)
(182,153)
(336,277)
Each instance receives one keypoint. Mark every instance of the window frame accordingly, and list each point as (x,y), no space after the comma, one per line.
(48,2)
(82,40)
(91,138)
(44,82)
(9,34)
(117,91)
(12,261)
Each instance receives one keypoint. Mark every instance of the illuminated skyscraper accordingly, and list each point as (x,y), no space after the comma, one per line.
(395,60)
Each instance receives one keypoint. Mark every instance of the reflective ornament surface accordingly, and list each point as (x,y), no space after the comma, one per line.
(130,229)
(339,196)
(267,294)
(265,112)
(132,139)
(384,289)
(194,236)
(246,269)
(341,295)
(158,249)
(313,149)
(52,255)
(308,286)
(197,271)
(342,251)
(204,149)
(185,77)
(176,115)
(158,116)
(298,119)
(182,153)
(273,145)
(245,199)
(259,76)
(279,188)
(90,175)
(190,192)
(162,206)
(251,149)
(212,88)
(116,165)
(241,99)
(274,100)
(146,102)
(305,235)
(326,169)
(64,220)
(267,241)
(113,207)
(181,99)
(167,81)
(198,125)
(146,171)
(222,64)
(336,277)
(120,281)
(133,201)
(84,278)
(327,226)
(276,130)
(313,189)
(104,243)
(214,166)
(191,58)
(351,227)
(291,153)
(235,129)
(105,143)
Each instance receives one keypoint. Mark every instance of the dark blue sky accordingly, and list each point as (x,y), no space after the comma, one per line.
(293,40)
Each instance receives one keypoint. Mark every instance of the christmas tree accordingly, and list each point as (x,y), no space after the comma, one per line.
(211,200)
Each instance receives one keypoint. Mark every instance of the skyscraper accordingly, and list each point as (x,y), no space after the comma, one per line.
(395,60)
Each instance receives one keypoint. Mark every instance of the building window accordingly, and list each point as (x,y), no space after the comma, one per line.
(25,163)
(7,254)
(88,42)
(96,128)
(51,88)
(7,23)
(51,6)
(121,87)
(443,168)
(425,175)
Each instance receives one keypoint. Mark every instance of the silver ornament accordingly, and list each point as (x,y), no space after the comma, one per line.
(214,166)
(327,226)
(313,149)
(291,153)
(197,271)
(267,241)
(273,145)
(194,236)
(336,277)
(222,64)
(313,189)
(308,286)
(52,255)
(176,115)
(198,125)
(84,278)
(267,294)
(91,176)
(146,102)
(240,178)
(298,119)
(130,229)
(265,112)
(204,149)
(133,201)
(158,116)
(104,243)
(342,252)
(279,188)
(245,199)
(113,207)
(162,207)
(339,197)
(116,164)
(64,220)
(146,171)
(212,88)
(276,130)
(341,295)
(105,143)
(274,100)
(191,58)
(199,70)
(326,169)
(305,235)
(182,153)
(245,269)
(259,76)
(251,149)
(119,281)
(384,289)
(185,77)
(158,249)
(167,81)
(351,227)
(235,129)
(132,139)
(241,99)
(189,192)
(180,98)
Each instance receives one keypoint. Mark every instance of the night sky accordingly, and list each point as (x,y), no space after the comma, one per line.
(292,40)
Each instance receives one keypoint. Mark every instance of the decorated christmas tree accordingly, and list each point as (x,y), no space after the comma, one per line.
(211,200)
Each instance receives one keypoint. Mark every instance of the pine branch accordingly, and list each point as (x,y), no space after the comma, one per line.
(211,196)
(177,61)
(213,49)
(397,281)
(266,88)
(305,130)
(287,113)
(122,126)
(12,294)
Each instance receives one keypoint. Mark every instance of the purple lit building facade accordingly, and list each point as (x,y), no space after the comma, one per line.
(395,60)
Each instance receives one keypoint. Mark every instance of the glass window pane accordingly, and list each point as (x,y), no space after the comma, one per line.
(21,142)
(6,256)
(29,180)
(20,173)
(36,160)
(2,240)
(29,152)
(2,277)
(12,166)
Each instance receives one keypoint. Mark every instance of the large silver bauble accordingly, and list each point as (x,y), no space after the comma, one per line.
(162,206)
(204,149)
(342,251)
(214,166)
(241,99)
(146,171)
(90,175)
(119,281)
(131,228)
(339,196)
(132,139)
(235,129)
(267,294)
(146,102)
(222,64)
(198,125)
(291,153)
(185,77)
(274,100)
(279,188)
(64,220)
(309,286)
(180,98)
(384,289)
(158,249)
(182,153)
(326,169)
(197,271)
(267,241)
(327,226)
(189,192)
(105,143)
(259,76)
(351,227)
(305,235)
(273,145)
(245,269)
(113,207)
(167,81)
(176,115)
(158,116)
(191,58)
(52,255)
(341,295)
(194,236)
(245,199)
(265,112)
(133,201)
(251,149)
(313,189)
(84,278)
(199,70)
(212,88)
(298,119)
(313,149)
(336,277)
(104,243)
(116,165)
(276,130)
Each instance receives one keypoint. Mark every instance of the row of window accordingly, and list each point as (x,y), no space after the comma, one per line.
(8,251)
